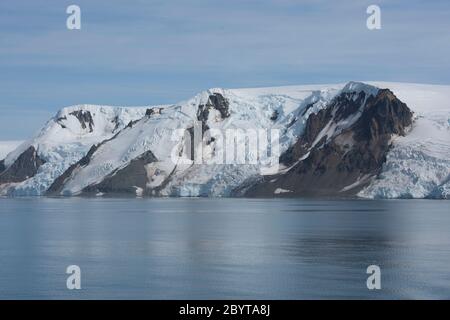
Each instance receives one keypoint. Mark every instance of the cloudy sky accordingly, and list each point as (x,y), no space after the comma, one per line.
(140,52)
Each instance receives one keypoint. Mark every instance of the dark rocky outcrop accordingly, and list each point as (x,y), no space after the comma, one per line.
(58,185)
(116,123)
(341,107)
(215,101)
(152,111)
(190,144)
(131,123)
(85,119)
(127,179)
(274,115)
(346,161)
(60,120)
(220,103)
(25,166)
(2,166)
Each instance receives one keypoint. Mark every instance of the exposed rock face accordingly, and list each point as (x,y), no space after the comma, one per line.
(338,140)
(25,166)
(274,116)
(60,120)
(342,148)
(221,104)
(58,185)
(116,123)
(129,179)
(2,166)
(85,119)
(151,111)
(216,101)
(124,180)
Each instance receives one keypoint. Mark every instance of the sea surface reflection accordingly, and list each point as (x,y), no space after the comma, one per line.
(223,248)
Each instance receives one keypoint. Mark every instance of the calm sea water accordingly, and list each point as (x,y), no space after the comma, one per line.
(223,248)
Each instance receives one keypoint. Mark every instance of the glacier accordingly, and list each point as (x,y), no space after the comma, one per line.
(63,141)
(417,165)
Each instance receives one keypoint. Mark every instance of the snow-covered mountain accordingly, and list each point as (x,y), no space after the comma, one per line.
(63,140)
(342,139)
(418,165)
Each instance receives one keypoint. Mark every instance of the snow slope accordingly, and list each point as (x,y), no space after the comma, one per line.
(249,109)
(8,146)
(63,141)
(418,166)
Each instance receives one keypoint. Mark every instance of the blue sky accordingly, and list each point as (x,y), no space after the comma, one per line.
(149,52)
